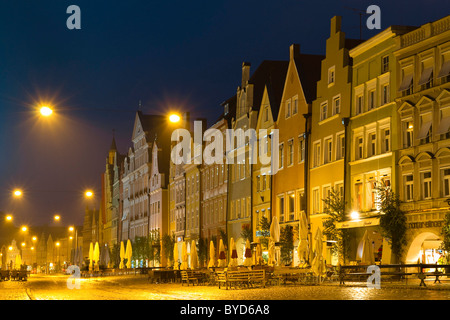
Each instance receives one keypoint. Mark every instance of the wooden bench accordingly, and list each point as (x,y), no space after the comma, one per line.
(241,278)
(190,276)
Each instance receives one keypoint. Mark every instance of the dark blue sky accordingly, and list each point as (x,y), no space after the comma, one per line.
(165,53)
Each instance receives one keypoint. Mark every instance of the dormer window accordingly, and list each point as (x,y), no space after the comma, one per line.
(331,76)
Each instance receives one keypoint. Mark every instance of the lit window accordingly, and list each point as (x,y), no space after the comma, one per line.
(426,185)
(409,187)
(323,111)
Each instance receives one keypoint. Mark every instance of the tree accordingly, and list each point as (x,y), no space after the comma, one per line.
(445,231)
(202,250)
(264,228)
(168,243)
(392,220)
(335,210)
(246,232)
(287,244)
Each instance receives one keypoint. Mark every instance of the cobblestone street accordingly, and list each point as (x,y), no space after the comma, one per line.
(54,287)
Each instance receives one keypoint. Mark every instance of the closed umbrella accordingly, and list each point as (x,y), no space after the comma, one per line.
(234,255)
(91,256)
(318,264)
(275,235)
(129,253)
(212,255)
(271,261)
(258,254)
(248,254)
(184,256)
(302,249)
(122,255)
(194,255)
(96,256)
(367,251)
(18,261)
(175,256)
(222,257)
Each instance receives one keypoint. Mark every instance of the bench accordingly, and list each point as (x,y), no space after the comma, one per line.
(241,278)
(19,275)
(190,276)
(4,275)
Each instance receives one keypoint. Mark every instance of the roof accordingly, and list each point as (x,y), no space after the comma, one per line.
(270,73)
(309,71)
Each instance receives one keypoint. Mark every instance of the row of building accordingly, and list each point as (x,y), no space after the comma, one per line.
(367,112)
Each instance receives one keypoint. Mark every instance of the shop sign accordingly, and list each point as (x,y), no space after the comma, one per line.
(425,224)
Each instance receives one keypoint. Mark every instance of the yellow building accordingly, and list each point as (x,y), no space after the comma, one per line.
(423,106)
(288,187)
(328,128)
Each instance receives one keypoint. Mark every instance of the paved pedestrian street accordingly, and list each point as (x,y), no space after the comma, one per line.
(136,287)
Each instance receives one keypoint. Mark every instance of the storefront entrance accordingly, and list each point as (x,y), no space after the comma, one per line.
(425,248)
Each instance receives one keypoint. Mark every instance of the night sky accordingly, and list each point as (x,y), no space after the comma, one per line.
(166,54)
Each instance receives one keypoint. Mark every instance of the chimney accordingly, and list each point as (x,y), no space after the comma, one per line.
(294,51)
(245,73)
(335,25)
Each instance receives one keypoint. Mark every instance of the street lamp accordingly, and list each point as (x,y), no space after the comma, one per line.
(174,118)
(57,217)
(9,218)
(46,111)
(89,194)
(17,193)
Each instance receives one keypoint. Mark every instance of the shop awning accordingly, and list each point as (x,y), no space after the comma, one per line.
(445,69)
(358,223)
(406,83)
(426,75)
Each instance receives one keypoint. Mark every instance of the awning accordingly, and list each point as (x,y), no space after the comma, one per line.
(426,75)
(444,126)
(358,223)
(406,83)
(423,133)
(445,69)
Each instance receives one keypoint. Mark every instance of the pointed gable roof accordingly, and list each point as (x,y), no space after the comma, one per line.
(309,69)
(271,73)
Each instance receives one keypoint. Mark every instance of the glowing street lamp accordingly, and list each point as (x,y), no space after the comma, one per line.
(9,218)
(89,194)
(46,111)
(57,217)
(24,228)
(174,118)
(17,193)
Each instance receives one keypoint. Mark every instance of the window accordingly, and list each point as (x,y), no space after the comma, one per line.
(281,156)
(301,149)
(409,187)
(290,152)
(358,195)
(359,104)
(316,154)
(291,206)
(445,182)
(302,201)
(371,102)
(328,149)
(281,207)
(426,78)
(408,133)
(385,64)
(266,114)
(331,75)
(295,108)
(407,81)
(444,123)
(372,147)
(323,111)
(425,128)
(315,201)
(426,185)
(258,183)
(288,108)
(336,105)
(359,148)
(340,150)
(384,94)
(386,140)
(326,194)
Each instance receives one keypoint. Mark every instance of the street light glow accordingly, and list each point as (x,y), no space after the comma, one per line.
(174,118)
(57,217)
(89,193)
(24,228)
(17,193)
(71,229)
(9,217)
(46,111)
